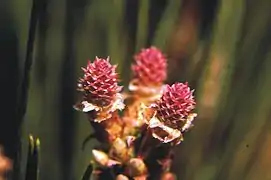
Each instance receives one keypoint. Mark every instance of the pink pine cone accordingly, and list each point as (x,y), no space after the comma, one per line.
(150,67)
(171,115)
(175,105)
(100,82)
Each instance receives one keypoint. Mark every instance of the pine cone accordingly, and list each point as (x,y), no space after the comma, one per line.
(171,115)
(100,89)
(175,104)
(150,66)
(100,82)
(149,70)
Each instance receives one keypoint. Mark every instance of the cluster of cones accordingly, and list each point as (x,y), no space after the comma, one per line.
(138,129)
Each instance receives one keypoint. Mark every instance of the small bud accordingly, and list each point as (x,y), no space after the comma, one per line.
(103,159)
(122,177)
(136,167)
(119,149)
(168,176)
(100,157)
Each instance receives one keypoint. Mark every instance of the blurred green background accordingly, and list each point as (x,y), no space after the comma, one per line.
(221,47)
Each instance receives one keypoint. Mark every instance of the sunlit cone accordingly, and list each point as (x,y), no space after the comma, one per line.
(101,92)
(172,113)
(149,70)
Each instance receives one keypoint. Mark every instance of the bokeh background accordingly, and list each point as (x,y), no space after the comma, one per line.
(221,47)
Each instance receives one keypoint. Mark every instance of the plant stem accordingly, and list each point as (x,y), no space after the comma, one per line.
(142,152)
(23,86)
